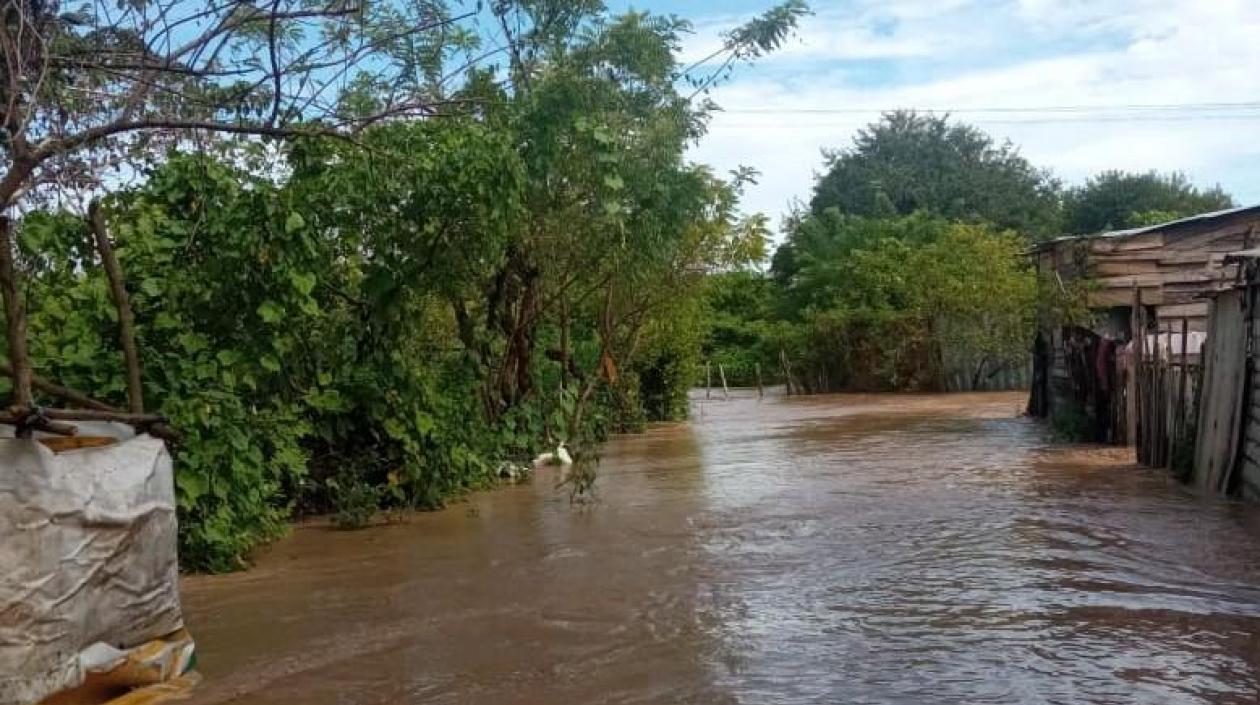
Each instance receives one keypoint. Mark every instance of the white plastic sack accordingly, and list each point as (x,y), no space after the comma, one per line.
(87,557)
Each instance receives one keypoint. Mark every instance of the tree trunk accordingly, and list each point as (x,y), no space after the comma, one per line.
(15,314)
(564,343)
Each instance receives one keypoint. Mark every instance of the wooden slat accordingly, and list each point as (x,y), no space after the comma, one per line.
(1230,237)
(1145,241)
(1106,298)
(1192,310)
(1110,268)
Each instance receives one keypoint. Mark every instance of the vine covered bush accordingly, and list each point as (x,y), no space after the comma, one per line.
(342,324)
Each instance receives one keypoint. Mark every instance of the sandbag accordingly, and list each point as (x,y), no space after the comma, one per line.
(87,559)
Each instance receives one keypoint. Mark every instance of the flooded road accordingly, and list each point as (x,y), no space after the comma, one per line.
(842,549)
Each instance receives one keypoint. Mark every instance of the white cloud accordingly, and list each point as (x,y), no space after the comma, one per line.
(865,30)
(1021,54)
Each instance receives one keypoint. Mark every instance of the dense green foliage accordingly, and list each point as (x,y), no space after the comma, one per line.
(887,303)
(907,270)
(1115,200)
(345,325)
(742,326)
(857,303)
(909,162)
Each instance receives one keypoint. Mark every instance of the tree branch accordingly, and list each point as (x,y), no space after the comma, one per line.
(126,320)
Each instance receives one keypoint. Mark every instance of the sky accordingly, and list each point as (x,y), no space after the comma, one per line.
(1078,85)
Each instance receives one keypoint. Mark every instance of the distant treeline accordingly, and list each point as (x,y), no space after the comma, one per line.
(908,258)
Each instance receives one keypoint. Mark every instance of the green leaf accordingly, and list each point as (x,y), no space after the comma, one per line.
(329,400)
(269,363)
(304,283)
(192,485)
(395,429)
(270,311)
(294,223)
(424,423)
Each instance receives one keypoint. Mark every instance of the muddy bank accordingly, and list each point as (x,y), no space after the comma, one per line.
(860,549)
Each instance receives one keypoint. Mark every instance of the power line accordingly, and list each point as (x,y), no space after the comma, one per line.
(1130,107)
(1030,120)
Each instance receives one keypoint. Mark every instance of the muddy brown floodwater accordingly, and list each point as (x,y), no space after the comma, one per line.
(843,549)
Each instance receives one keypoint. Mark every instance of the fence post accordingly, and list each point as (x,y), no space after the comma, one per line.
(787,371)
(726,392)
(708,379)
(1179,428)
(1140,427)
(1130,406)
(760,392)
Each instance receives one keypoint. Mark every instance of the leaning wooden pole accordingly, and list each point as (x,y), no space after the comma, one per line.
(726,391)
(15,319)
(64,393)
(126,319)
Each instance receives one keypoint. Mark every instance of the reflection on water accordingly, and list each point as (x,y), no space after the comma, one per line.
(856,549)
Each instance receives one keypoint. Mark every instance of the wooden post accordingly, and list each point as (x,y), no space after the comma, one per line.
(1130,407)
(760,392)
(1180,420)
(787,371)
(126,320)
(726,392)
(708,380)
(15,314)
(1166,408)
(1140,427)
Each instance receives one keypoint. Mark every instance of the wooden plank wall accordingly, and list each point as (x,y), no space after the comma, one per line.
(1220,406)
(1175,270)
(1172,267)
(1249,465)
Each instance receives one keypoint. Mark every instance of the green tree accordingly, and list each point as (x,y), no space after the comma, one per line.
(1114,200)
(739,317)
(908,162)
(896,303)
(352,324)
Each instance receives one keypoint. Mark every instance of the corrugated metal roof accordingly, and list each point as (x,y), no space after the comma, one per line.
(1200,218)
(1130,232)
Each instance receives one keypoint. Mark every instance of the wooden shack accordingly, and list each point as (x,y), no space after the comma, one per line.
(1155,279)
